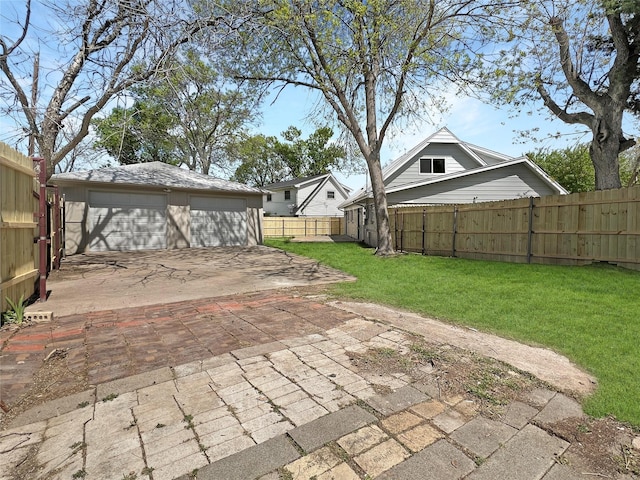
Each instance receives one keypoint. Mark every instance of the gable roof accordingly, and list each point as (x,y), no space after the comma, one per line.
(444,135)
(296,182)
(522,160)
(154,174)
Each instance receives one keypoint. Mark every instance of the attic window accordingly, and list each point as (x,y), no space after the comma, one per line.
(331,194)
(287,194)
(432,165)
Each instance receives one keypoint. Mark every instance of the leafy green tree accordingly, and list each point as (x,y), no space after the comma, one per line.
(210,112)
(189,115)
(570,167)
(373,62)
(266,160)
(136,135)
(259,164)
(314,156)
(581,58)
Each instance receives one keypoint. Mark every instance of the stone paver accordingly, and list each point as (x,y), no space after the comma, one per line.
(312,465)
(381,457)
(441,460)
(402,398)
(268,400)
(483,436)
(331,427)
(362,439)
(528,454)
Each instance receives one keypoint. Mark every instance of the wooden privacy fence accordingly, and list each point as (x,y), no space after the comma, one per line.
(18,253)
(30,227)
(559,229)
(302,226)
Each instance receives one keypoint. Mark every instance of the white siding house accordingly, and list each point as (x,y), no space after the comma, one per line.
(445,170)
(315,196)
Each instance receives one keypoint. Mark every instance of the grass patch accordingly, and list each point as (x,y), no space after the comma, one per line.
(590,314)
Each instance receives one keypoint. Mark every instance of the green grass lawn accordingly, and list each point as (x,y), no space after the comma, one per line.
(590,314)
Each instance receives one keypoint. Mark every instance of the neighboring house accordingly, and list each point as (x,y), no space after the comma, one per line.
(155,206)
(445,170)
(316,196)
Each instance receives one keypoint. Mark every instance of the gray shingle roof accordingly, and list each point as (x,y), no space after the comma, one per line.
(154,174)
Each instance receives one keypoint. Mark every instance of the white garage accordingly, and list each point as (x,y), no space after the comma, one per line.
(155,206)
(127,221)
(218,222)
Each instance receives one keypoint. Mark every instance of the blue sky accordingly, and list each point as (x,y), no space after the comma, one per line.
(469,119)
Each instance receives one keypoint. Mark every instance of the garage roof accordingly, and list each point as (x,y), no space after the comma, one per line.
(154,174)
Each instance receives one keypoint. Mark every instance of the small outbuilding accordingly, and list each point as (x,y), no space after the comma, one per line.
(155,206)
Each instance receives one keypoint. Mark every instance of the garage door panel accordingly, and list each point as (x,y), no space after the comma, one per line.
(218,221)
(127,221)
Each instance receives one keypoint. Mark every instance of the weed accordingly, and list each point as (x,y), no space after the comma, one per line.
(193,473)
(203,449)
(83,404)
(160,425)
(79,474)
(285,474)
(583,428)
(130,476)
(111,396)
(422,353)
(16,314)
(147,471)
(189,420)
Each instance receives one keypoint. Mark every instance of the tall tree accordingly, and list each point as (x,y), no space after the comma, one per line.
(93,50)
(372,61)
(571,167)
(187,115)
(136,134)
(211,112)
(259,163)
(581,58)
(313,156)
(265,160)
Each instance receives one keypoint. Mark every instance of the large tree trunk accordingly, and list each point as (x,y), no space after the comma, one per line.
(385,245)
(606,145)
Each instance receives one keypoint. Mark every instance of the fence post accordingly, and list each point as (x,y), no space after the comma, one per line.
(58,227)
(455,230)
(530,232)
(42,226)
(401,231)
(283,227)
(395,225)
(424,221)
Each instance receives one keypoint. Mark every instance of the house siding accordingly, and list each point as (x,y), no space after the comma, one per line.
(456,160)
(278,206)
(499,184)
(320,205)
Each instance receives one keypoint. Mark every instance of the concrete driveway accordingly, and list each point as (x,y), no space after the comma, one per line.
(111,280)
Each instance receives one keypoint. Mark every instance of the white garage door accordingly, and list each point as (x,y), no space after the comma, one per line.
(218,221)
(127,221)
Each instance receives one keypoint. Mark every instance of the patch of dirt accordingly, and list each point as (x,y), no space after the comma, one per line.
(453,371)
(599,447)
(53,380)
